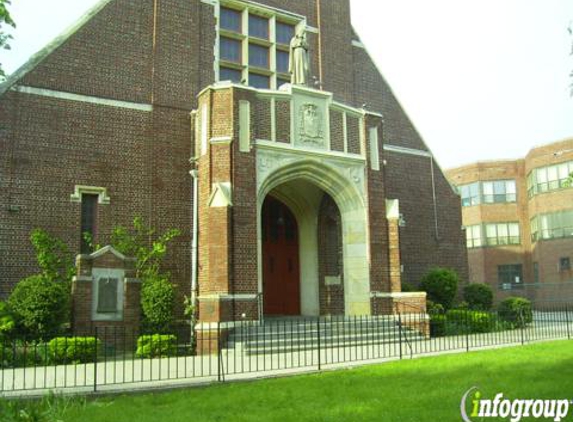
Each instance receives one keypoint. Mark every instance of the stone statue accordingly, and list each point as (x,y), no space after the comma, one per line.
(298,63)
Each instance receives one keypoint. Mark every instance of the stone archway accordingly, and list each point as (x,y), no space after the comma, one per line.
(298,183)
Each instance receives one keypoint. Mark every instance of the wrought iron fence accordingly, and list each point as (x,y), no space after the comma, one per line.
(105,357)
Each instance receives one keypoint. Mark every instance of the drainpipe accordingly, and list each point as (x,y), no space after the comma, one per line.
(194,285)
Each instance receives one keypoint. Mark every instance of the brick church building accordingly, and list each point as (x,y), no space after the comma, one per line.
(292,200)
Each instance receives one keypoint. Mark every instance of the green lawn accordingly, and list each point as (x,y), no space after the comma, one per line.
(428,389)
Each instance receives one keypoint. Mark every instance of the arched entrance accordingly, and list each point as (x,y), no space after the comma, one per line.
(281,267)
(301,184)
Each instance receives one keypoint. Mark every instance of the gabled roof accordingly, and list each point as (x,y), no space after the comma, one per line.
(37,58)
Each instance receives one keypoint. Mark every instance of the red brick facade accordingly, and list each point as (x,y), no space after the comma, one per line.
(111,107)
(551,282)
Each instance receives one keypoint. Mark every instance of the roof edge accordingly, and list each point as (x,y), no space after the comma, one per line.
(53,45)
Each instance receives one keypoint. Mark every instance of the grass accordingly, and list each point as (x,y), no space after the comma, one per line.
(428,389)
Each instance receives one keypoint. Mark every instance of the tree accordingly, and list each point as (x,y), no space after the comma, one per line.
(5,20)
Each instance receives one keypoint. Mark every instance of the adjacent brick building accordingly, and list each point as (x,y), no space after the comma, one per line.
(308,200)
(518,217)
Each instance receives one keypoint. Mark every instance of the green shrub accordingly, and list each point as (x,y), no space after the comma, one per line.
(462,321)
(156,345)
(17,354)
(7,323)
(157,299)
(516,311)
(53,256)
(40,307)
(437,325)
(73,349)
(441,284)
(479,296)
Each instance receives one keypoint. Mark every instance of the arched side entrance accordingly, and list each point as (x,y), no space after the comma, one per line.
(301,185)
(281,268)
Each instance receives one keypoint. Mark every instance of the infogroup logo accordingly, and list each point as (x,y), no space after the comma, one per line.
(514,410)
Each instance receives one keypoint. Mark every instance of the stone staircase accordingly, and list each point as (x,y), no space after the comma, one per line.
(280,335)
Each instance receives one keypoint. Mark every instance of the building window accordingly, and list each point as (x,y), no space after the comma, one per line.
(258,56)
(254,46)
(258,27)
(499,191)
(89,197)
(282,61)
(550,178)
(470,194)
(88,222)
(230,50)
(499,234)
(564,264)
(285,33)
(490,192)
(230,19)
(552,226)
(510,277)
(259,81)
(536,272)
(474,236)
(232,75)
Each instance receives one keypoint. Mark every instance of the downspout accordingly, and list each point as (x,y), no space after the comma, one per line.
(194,250)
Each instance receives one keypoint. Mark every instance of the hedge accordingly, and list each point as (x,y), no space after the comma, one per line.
(156,345)
(74,349)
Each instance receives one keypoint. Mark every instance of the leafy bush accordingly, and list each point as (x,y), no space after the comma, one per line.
(479,296)
(437,325)
(156,345)
(441,284)
(7,323)
(516,311)
(462,321)
(53,255)
(149,249)
(17,354)
(73,349)
(157,299)
(458,322)
(40,307)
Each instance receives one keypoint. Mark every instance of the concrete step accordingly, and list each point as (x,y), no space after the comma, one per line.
(291,335)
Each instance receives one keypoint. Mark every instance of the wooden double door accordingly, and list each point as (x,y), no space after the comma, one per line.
(281,266)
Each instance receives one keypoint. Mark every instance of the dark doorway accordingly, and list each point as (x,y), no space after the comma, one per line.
(281,269)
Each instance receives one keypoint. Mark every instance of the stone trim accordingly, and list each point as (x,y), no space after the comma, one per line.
(229,297)
(408,151)
(79,190)
(82,98)
(270,145)
(222,140)
(105,250)
(397,295)
(359,44)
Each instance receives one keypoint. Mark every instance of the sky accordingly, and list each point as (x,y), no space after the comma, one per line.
(480,79)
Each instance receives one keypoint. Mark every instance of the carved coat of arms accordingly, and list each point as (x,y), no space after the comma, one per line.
(311,128)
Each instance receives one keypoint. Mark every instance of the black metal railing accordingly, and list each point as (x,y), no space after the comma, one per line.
(100,358)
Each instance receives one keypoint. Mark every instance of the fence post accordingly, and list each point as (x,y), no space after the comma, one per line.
(95,360)
(400,332)
(219,355)
(567,319)
(318,336)
(467,331)
(522,323)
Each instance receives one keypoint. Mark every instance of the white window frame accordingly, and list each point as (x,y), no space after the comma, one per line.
(273,15)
